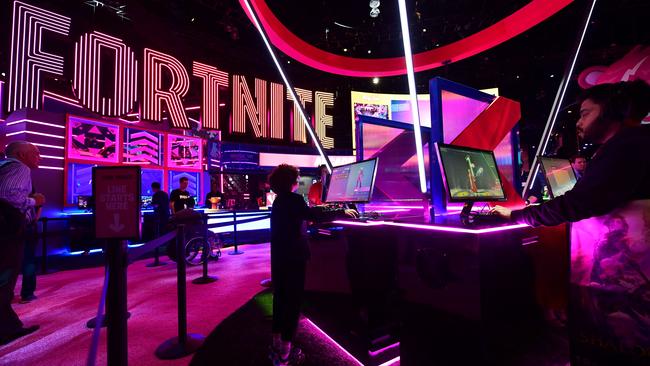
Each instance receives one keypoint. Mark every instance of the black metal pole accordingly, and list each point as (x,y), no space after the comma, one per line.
(234,233)
(205,278)
(44,246)
(181,286)
(184,344)
(116,315)
(156,260)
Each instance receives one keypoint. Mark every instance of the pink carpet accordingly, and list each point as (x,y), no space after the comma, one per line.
(66,300)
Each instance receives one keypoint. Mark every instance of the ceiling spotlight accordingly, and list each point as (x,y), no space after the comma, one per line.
(369,51)
(374,12)
(375,80)
(424,30)
(374,3)
(345,50)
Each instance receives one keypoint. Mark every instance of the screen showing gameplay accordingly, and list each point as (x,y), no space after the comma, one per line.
(559,175)
(352,182)
(470,174)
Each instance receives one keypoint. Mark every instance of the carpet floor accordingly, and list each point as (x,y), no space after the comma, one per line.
(67,299)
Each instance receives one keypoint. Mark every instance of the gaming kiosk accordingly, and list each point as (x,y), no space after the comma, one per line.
(425,289)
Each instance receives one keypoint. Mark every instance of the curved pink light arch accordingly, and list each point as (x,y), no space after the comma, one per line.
(520,21)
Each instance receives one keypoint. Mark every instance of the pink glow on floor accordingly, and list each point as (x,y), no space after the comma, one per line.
(66,300)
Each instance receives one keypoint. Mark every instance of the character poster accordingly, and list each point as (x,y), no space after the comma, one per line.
(610,288)
(92,141)
(184,152)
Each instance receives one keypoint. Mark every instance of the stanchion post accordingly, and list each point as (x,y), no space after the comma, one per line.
(236,251)
(44,246)
(207,249)
(184,344)
(156,260)
(116,314)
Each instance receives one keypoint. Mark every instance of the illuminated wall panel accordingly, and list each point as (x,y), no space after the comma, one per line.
(298,127)
(28,60)
(92,141)
(154,95)
(243,105)
(184,152)
(323,120)
(277,111)
(142,147)
(212,80)
(87,74)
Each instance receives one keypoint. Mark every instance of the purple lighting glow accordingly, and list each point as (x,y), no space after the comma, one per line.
(315,327)
(433,227)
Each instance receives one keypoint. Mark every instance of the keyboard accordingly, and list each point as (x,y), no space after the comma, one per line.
(487,218)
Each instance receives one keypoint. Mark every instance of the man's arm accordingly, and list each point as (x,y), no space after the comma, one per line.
(613,178)
(16,186)
(172,200)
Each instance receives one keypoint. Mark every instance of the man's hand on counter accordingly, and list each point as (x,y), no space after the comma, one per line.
(502,211)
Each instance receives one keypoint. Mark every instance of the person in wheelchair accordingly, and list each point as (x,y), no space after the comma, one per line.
(193,222)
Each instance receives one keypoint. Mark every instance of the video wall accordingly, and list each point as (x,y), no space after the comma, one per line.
(397,175)
(164,157)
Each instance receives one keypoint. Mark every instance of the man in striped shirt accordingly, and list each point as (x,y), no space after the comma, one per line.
(16,191)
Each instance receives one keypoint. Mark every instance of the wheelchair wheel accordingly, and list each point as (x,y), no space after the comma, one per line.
(194,254)
(215,246)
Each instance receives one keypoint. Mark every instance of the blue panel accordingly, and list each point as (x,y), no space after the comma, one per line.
(80,182)
(193,187)
(149,176)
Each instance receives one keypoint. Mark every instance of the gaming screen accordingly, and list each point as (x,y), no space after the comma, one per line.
(146,201)
(93,141)
(352,182)
(143,147)
(304,184)
(184,152)
(559,175)
(470,175)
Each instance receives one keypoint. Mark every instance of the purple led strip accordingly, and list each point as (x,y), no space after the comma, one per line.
(333,341)
(432,227)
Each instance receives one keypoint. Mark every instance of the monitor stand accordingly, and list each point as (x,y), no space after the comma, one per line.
(465,213)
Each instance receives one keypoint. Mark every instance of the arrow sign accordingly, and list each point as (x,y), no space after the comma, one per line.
(116,226)
(117,202)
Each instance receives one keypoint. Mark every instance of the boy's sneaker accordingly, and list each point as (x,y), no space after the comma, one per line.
(296,357)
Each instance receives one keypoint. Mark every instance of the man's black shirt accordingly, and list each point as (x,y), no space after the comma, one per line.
(181,199)
(618,173)
(160,202)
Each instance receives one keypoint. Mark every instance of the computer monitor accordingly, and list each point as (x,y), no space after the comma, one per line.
(82,202)
(146,201)
(470,174)
(304,184)
(352,183)
(559,175)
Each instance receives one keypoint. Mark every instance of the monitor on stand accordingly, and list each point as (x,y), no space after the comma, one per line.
(352,183)
(559,175)
(469,175)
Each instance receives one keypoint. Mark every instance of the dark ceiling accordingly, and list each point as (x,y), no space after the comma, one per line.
(527,68)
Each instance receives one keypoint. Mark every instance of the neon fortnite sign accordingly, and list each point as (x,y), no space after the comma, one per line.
(263,114)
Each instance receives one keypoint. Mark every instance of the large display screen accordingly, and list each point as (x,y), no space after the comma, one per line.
(143,147)
(559,175)
(92,141)
(184,152)
(470,174)
(352,182)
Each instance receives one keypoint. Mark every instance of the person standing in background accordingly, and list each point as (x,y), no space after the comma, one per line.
(160,203)
(216,194)
(19,208)
(579,165)
(180,198)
